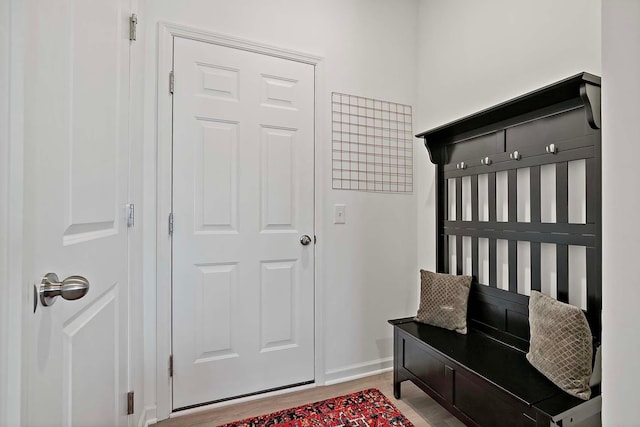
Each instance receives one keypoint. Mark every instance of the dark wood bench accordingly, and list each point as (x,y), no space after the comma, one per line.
(480,378)
(483,377)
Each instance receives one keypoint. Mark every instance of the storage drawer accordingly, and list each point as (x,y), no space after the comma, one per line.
(568,130)
(487,405)
(425,365)
(472,150)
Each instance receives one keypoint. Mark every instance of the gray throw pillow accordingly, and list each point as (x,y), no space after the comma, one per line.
(443,300)
(561,345)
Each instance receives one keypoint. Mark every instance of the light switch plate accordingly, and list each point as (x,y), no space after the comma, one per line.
(339,214)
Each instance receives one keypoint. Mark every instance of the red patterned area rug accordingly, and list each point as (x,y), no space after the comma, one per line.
(368,408)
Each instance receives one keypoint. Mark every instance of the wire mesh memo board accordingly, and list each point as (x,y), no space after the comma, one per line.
(372,145)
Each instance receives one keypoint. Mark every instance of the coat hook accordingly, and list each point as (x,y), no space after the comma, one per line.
(551,149)
(461,165)
(515,155)
(486,161)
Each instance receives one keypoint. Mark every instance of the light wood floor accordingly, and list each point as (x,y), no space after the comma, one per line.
(419,408)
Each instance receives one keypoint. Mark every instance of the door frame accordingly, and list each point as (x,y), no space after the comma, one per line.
(164,128)
(13,304)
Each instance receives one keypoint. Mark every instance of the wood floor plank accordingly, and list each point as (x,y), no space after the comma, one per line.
(419,408)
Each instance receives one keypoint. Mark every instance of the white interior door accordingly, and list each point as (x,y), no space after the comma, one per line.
(76,187)
(243,197)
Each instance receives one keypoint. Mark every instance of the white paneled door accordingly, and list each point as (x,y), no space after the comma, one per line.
(76,188)
(243,201)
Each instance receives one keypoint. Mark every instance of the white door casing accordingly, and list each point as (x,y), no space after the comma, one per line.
(76,189)
(243,180)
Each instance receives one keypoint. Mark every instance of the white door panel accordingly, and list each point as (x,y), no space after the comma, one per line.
(76,189)
(242,197)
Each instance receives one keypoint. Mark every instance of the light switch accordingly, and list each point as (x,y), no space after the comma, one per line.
(339,213)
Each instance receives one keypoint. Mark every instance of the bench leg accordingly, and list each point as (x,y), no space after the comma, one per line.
(398,349)
(396,389)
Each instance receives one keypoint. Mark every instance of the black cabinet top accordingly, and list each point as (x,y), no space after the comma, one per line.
(582,89)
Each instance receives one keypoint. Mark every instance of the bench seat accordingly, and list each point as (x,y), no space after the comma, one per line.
(476,377)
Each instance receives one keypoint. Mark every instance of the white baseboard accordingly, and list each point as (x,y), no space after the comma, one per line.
(148,417)
(360,370)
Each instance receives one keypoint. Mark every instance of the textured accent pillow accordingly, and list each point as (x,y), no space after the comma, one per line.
(561,346)
(443,300)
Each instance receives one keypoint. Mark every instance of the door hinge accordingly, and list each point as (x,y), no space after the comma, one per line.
(133,23)
(131,215)
(171,82)
(130,403)
(315,239)
(171,224)
(171,365)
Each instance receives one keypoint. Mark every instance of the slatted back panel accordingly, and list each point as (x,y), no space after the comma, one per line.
(511,246)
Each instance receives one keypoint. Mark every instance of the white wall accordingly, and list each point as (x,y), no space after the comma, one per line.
(621,204)
(461,56)
(473,55)
(368,265)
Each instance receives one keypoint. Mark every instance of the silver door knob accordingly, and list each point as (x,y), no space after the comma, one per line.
(305,240)
(71,288)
